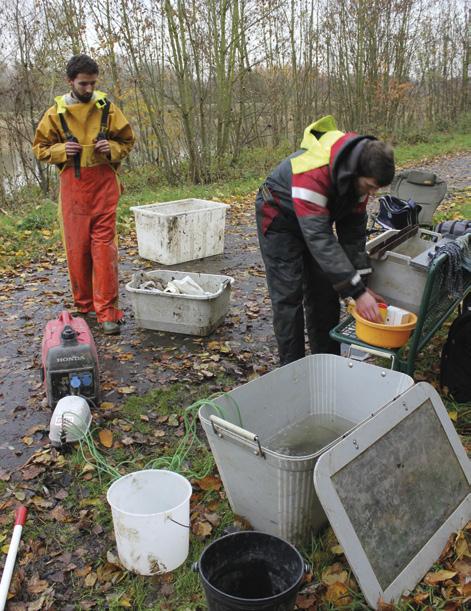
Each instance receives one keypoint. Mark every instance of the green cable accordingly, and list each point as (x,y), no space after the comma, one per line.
(175,462)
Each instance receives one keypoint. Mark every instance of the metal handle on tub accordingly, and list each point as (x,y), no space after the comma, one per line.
(373,351)
(225,426)
(228,281)
(395,255)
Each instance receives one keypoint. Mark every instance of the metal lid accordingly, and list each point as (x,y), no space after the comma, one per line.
(394,490)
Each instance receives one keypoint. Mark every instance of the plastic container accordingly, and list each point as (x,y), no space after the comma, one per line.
(151,517)
(271,489)
(251,571)
(384,336)
(179,231)
(188,314)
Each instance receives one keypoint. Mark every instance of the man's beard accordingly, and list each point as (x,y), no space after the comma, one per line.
(85,97)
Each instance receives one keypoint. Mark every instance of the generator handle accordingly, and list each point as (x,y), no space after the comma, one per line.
(65,317)
(229,427)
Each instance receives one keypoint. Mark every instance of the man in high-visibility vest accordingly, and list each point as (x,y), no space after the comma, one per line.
(308,266)
(87,136)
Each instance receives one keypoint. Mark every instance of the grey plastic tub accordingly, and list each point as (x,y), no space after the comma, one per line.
(188,314)
(275,491)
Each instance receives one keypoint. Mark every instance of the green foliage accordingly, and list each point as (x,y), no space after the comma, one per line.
(44,216)
(422,146)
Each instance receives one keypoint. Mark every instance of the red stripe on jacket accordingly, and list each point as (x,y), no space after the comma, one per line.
(317,180)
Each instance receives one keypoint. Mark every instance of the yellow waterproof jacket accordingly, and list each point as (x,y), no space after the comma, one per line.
(83,121)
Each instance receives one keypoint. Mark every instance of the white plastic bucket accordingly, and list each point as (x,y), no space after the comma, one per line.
(151,517)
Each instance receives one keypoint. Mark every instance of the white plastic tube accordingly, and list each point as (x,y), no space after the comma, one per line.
(20,519)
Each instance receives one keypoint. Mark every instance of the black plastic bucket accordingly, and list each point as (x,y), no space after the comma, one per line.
(251,570)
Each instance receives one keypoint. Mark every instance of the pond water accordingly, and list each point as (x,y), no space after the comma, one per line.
(12,173)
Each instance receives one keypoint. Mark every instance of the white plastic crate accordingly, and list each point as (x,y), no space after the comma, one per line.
(188,314)
(274,491)
(179,231)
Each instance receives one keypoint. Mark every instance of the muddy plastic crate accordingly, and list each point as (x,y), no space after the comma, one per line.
(188,314)
(265,483)
(179,231)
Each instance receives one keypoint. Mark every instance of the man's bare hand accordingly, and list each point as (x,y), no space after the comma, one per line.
(367,307)
(72,148)
(377,297)
(103,147)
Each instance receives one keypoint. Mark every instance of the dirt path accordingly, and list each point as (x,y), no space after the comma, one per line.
(139,358)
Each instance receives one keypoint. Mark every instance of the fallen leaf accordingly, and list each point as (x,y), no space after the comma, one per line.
(202,529)
(4,475)
(306,602)
(126,390)
(173,420)
(448,549)
(463,566)
(32,472)
(37,586)
(334,573)
(84,571)
(27,440)
(209,483)
(41,503)
(337,593)
(36,428)
(88,468)
(59,514)
(461,546)
(337,550)
(106,438)
(113,559)
(213,518)
(106,405)
(421,597)
(433,578)
(90,580)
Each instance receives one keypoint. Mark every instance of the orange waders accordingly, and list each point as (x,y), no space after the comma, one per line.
(88,206)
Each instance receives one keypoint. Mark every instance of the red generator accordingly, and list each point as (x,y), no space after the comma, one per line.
(69,364)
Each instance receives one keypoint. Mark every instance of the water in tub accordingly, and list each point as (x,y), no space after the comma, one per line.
(308,435)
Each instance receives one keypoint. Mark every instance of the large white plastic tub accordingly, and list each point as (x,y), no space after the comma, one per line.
(188,314)
(179,231)
(273,491)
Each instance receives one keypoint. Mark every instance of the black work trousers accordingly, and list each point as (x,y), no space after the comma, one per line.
(298,290)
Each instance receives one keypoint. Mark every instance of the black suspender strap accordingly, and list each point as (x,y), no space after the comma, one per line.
(64,125)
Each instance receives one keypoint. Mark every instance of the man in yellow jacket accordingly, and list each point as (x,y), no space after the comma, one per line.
(87,136)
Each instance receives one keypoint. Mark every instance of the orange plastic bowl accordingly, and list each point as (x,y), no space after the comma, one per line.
(384,336)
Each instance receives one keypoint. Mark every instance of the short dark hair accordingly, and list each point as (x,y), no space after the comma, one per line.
(81,64)
(377,161)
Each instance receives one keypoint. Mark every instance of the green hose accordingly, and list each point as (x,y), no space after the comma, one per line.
(176,462)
